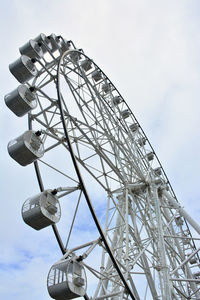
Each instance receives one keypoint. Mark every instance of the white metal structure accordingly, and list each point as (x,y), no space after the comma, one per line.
(67,280)
(144,235)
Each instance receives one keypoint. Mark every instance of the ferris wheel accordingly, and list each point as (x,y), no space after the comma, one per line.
(92,158)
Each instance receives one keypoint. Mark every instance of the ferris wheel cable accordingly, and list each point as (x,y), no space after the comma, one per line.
(82,182)
(73,220)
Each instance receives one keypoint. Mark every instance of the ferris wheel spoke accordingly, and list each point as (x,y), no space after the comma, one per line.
(73,220)
(41,82)
(62,173)
(102,154)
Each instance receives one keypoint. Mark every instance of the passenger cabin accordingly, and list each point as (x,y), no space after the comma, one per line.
(44,42)
(75,56)
(157,171)
(106,87)
(55,43)
(86,65)
(67,280)
(96,75)
(125,114)
(41,210)
(21,101)
(141,141)
(150,156)
(31,49)
(26,148)
(64,45)
(117,100)
(23,69)
(134,127)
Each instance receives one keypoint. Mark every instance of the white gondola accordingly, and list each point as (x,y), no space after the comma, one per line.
(23,69)
(86,65)
(64,45)
(134,127)
(157,171)
(96,75)
(55,43)
(58,43)
(75,56)
(21,101)
(150,156)
(141,141)
(117,100)
(43,41)
(67,280)
(26,148)
(106,87)
(125,114)
(31,49)
(41,210)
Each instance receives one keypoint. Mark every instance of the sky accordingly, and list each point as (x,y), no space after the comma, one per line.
(150,51)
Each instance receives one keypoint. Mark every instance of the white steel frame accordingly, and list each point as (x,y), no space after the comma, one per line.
(145,226)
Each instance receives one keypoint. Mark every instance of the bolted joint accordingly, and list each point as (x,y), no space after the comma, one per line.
(38,133)
(80,258)
(33,60)
(54,192)
(32,88)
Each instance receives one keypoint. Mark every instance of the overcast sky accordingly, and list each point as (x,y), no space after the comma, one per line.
(150,49)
